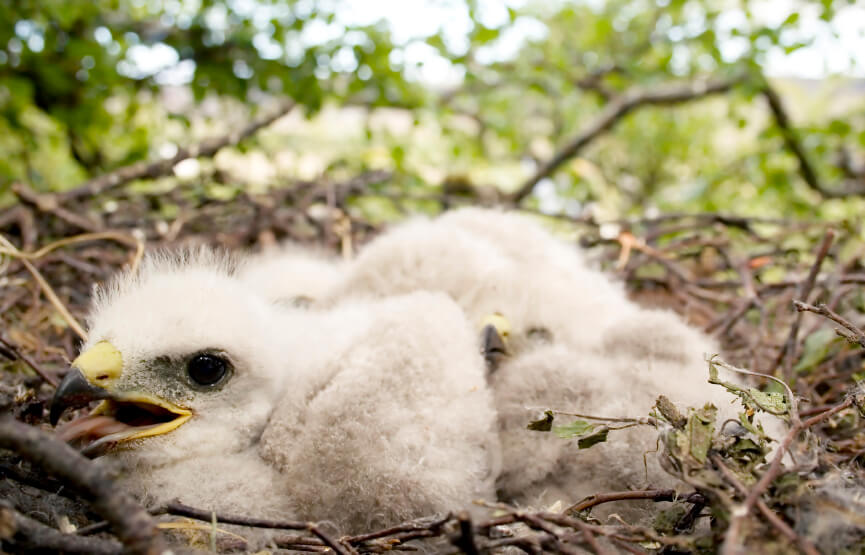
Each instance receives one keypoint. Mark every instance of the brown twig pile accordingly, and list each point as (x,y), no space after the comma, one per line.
(748,281)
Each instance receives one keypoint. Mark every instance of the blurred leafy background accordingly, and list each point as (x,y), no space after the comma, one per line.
(449,96)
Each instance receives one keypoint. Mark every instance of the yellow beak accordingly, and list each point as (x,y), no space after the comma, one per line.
(92,378)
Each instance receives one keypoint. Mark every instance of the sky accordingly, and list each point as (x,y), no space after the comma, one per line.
(838,49)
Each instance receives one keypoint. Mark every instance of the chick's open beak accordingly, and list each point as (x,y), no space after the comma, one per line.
(120,416)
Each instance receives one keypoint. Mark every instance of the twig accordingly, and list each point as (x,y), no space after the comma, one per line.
(732,540)
(48,203)
(132,524)
(601,498)
(613,112)
(48,291)
(46,376)
(806,169)
(465,540)
(32,535)
(785,357)
(159,168)
(803,543)
(120,237)
(338,547)
(539,524)
(412,526)
(180,509)
(852,334)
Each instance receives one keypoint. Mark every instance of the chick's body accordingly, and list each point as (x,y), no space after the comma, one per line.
(355,415)
(576,343)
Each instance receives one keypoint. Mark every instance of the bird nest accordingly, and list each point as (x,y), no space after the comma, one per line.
(783,298)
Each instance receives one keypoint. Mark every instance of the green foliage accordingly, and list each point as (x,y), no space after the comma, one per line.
(83,84)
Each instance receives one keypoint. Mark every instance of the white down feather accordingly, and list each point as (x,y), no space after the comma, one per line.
(365,415)
(598,353)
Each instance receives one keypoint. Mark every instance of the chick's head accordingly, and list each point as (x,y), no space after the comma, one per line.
(184,358)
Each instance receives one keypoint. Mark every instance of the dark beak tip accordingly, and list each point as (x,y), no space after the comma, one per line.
(55,414)
(75,391)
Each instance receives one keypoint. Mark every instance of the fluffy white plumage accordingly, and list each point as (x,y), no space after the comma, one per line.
(291,273)
(598,352)
(358,415)
(376,406)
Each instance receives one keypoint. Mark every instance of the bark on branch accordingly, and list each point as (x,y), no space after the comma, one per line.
(615,110)
(132,524)
(160,168)
(791,141)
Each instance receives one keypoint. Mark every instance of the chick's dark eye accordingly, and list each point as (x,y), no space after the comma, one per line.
(206,369)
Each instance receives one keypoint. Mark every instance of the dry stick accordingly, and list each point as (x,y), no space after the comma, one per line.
(465,541)
(160,168)
(613,112)
(785,357)
(853,334)
(46,377)
(803,543)
(732,540)
(119,236)
(48,291)
(48,203)
(33,535)
(132,524)
(806,169)
(539,524)
(600,498)
(410,527)
(338,547)
(180,509)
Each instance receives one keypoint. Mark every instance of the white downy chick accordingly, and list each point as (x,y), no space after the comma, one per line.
(365,415)
(578,344)
(491,262)
(291,273)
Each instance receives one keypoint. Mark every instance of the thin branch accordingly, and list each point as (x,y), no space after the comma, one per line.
(465,541)
(132,524)
(806,169)
(49,204)
(338,547)
(601,498)
(785,357)
(32,535)
(160,168)
(13,350)
(775,520)
(47,290)
(732,540)
(615,110)
(180,509)
(851,333)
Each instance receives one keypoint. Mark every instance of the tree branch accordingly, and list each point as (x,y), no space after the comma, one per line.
(806,169)
(732,540)
(32,535)
(130,522)
(615,110)
(160,168)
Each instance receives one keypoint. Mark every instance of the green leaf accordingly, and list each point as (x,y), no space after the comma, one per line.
(817,347)
(599,436)
(574,429)
(701,427)
(544,424)
(776,402)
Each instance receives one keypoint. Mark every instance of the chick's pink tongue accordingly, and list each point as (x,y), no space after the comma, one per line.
(90,426)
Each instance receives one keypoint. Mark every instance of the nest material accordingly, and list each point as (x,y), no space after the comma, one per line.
(735,277)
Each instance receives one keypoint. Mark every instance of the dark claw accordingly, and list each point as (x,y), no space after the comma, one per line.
(72,393)
(493,347)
